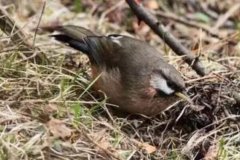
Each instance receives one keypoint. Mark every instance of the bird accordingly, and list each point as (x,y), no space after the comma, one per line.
(132,73)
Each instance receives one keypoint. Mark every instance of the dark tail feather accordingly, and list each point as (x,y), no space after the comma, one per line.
(76,44)
(76,37)
(71,35)
(76,32)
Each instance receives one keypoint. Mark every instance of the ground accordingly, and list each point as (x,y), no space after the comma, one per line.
(48,109)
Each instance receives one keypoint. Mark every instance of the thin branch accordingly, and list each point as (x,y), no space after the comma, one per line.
(222,19)
(192,24)
(171,41)
(39,21)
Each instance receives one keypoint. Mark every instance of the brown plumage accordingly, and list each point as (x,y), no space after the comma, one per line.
(134,75)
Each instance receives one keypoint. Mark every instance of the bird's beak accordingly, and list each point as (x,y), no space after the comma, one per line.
(184,97)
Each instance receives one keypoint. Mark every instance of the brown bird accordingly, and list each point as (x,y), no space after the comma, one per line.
(134,74)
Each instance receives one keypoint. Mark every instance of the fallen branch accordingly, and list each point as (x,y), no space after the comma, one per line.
(171,41)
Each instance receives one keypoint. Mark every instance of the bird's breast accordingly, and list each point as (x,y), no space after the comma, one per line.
(108,81)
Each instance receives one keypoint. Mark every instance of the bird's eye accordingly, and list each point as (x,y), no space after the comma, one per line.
(115,36)
(171,85)
(161,93)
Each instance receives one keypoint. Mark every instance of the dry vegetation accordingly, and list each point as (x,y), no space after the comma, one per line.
(47,108)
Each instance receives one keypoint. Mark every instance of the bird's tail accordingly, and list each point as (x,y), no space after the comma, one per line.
(72,35)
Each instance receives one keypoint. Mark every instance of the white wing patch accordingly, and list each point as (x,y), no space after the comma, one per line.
(160,83)
(115,39)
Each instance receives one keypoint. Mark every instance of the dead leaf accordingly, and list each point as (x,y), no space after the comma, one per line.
(102,144)
(195,140)
(149,148)
(46,111)
(212,153)
(101,139)
(152,4)
(50,109)
(141,29)
(58,128)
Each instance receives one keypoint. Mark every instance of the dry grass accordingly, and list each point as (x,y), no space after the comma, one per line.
(50,112)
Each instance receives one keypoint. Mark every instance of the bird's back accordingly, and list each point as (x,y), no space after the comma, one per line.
(132,72)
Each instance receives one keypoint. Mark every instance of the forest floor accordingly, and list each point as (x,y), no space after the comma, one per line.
(47,107)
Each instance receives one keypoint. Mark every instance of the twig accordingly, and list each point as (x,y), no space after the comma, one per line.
(39,21)
(222,19)
(193,24)
(173,43)
(35,35)
(203,7)
(9,27)
(216,109)
(106,150)
(111,9)
(210,76)
(236,97)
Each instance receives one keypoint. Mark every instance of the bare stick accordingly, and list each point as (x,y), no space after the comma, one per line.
(171,41)
(39,21)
